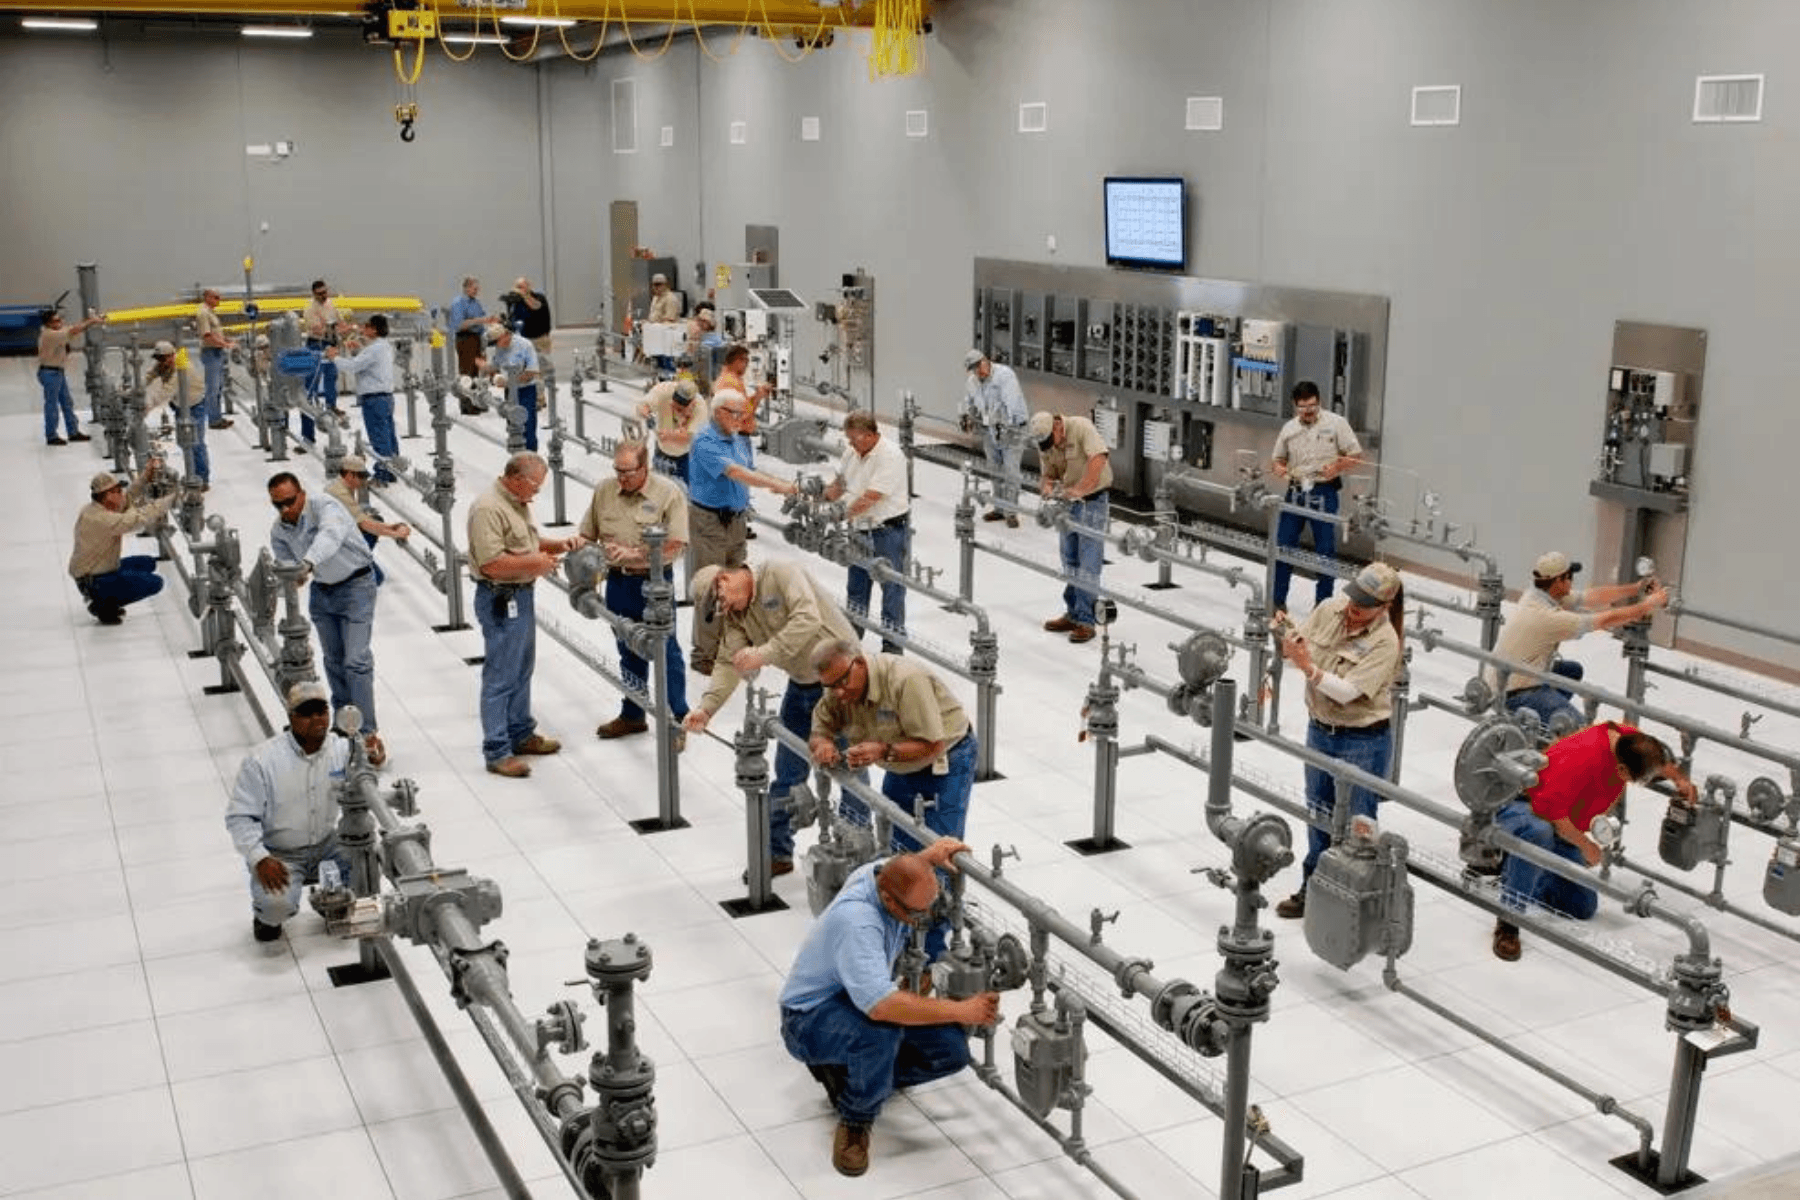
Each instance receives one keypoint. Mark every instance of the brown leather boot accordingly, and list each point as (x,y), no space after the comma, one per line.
(850,1149)
(1506,941)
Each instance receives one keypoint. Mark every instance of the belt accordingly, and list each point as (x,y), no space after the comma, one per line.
(497,586)
(898,522)
(724,514)
(1319,485)
(374,395)
(1380,726)
(350,578)
(42,367)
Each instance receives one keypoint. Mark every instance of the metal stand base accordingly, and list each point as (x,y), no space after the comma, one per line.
(1159,587)
(1646,1175)
(1088,847)
(746,907)
(199,653)
(449,628)
(556,524)
(475,660)
(220,689)
(352,973)
(658,825)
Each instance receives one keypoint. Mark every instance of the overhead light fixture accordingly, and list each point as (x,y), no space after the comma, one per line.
(474,39)
(553,22)
(67,24)
(278,31)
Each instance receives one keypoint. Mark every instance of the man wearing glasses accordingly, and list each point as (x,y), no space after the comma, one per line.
(320,537)
(1312,452)
(623,507)
(1075,463)
(283,814)
(842,1014)
(772,616)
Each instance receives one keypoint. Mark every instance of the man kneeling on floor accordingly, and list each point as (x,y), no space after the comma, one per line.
(1584,778)
(842,1014)
(283,810)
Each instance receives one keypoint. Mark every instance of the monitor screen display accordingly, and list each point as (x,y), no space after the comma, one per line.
(1144,222)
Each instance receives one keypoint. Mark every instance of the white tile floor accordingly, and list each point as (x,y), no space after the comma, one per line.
(148,1048)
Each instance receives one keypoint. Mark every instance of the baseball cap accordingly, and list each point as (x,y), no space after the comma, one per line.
(686,390)
(972,359)
(701,585)
(1554,565)
(1041,425)
(1373,586)
(659,277)
(103,483)
(305,690)
(492,333)
(354,462)
(162,349)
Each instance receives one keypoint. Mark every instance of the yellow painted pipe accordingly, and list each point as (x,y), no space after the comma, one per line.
(266,304)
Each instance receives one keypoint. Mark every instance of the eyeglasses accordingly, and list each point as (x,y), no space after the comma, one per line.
(1047,441)
(283,504)
(843,677)
(914,916)
(312,708)
(621,472)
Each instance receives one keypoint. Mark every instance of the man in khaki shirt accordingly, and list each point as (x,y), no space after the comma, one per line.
(773,615)
(322,325)
(53,375)
(106,580)
(679,413)
(623,507)
(163,393)
(1073,456)
(213,346)
(1349,652)
(895,711)
(1312,452)
(348,490)
(508,555)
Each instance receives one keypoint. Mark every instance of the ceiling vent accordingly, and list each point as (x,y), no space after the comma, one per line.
(1034,117)
(1439,105)
(1727,98)
(1205,113)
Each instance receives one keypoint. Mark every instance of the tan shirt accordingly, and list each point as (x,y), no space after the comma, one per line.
(499,523)
(320,320)
(788,616)
(53,347)
(1531,635)
(1068,462)
(669,418)
(99,530)
(163,391)
(206,321)
(666,307)
(1309,449)
(1369,661)
(340,491)
(614,516)
(904,700)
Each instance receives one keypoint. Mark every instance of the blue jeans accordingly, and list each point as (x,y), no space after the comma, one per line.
(510,643)
(790,769)
(1081,557)
(212,363)
(136,579)
(273,908)
(1004,447)
(1546,700)
(322,384)
(1287,537)
(55,383)
(1522,883)
(378,421)
(625,596)
(874,1058)
(1370,751)
(888,543)
(528,402)
(202,460)
(675,467)
(344,616)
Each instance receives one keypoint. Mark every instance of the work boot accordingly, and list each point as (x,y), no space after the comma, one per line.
(620,727)
(513,767)
(221,423)
(264,933)
(1063,624)
(777,868)
(1012,520)
(1506,941)
(1293,908)
(79,437)
(1081,633)
(850,1149)
(994,514)
(107,614)
(537,743)
(55,442)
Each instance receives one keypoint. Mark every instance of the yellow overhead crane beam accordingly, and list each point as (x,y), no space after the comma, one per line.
(801,13)
(265,305)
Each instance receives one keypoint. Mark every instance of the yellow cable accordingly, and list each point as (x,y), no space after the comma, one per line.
(418,66)
(810,44)
(453,56)
(694,17)
(530,51)
(599,41)
(674,16)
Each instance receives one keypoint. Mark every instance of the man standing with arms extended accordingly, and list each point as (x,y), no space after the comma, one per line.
(319,536)
(213,345)
(321,324)
(623,507)
(372,363)
(993,400)
(107,580)
(508,556)
(1074,460)
(873,475)
(1312,452)
(53,375)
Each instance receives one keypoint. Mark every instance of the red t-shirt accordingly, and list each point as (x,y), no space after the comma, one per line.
(1581,780)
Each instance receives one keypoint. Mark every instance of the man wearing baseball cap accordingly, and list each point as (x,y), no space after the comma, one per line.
(282,815)
(992,399)
(164,393)
(1073,456)
(1551,613)
(107,581)
(509,354)
(678,412)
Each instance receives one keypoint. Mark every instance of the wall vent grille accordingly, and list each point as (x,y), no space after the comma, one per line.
(1720,99)
(1205,112)
(624,116)
(1437,105)
(1034,117)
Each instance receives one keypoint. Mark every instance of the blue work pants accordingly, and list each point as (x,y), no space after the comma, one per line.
(1523,883)
(212,365)
(55,382)
(273,908)
(790,769)
(378,422)
(528,401)
(344,615)
(1370,751)
(674,466)
(509,637)
(202,460)
(1546,700)
(1004,446)
(1082,556)
(136,579)
(625,596)
(875,1057)
(1321,499)
(888,543)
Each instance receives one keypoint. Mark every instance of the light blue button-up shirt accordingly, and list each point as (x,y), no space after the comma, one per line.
(284,799)
(713,451)
(325,536)
(465,308)
(373,367)
(996,400)
(850,948)
(518,357)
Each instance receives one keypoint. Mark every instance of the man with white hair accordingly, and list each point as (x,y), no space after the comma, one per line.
(510,356)
(993,400)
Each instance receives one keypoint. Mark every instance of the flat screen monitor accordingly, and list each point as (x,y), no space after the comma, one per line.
(1144,222)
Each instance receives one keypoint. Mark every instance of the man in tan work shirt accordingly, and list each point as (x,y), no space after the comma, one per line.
(213,347)
(632,501)
(163,386)
(348,489)
(1312,452)
(508,556)
(53,375)
(107,581)
(1073,456)
(773,615)
(679,412)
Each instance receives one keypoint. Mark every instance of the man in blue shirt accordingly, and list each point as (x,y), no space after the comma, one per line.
(842,1014)
(372,363)
(511,356)
(466,320)
(993,400)
(320,536)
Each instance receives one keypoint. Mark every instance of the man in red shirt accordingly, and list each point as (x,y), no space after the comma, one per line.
(1585,777)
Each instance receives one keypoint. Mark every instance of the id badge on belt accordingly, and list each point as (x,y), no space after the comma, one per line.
(512,608)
